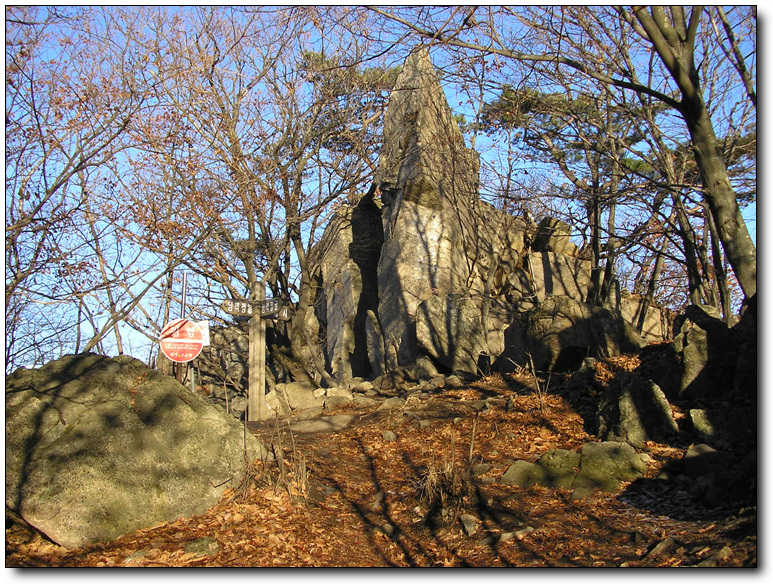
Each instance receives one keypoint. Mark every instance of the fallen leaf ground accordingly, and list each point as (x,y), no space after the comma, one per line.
(361,498)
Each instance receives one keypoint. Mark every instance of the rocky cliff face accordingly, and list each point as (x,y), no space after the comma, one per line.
(422,267)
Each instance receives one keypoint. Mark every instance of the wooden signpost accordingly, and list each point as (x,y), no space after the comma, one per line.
(257,309)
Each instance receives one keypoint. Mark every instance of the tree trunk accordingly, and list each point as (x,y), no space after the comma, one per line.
(690,252)
(653,282)
(612,245)
(594,216)
(721,199)
(675,45)
(720,278)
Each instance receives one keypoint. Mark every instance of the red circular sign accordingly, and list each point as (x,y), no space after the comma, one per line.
(181,340)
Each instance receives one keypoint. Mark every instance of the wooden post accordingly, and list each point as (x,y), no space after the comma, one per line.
(256,401)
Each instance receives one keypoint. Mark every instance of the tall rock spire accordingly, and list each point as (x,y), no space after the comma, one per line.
(428,181)
(447,276)
(424,158)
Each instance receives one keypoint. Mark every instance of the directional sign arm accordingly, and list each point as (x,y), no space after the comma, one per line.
(238,307)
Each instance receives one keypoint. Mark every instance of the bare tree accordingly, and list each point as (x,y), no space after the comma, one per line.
(72,94)
(611,47)
(270,111)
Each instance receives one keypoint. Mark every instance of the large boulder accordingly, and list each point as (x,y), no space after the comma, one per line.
(556,469)
(97,447)
(458,331)
(435,278)
(635,410)
(561,332)
(428,180)
(708,353)
(605,465)
(350,250)
(549,273)
(554,235)
(299,395)
(599,465)
(656,326)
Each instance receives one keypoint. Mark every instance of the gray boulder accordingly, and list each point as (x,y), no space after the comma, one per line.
(553,235)
(717,476)
(350,250)
(299,395)
(560,467)
(604,465)
(708,353)
(656,326)
(547,273)
(635,410)
(702,459)
(444,272)
(457,330)
(524,474)
(600,465)
(561,332)
(427,177)
(97,447)
(556,468)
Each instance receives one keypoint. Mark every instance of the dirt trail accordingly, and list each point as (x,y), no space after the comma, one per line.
(416,486)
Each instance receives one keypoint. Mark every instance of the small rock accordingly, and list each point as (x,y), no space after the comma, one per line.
(454,382)
(521,533)
(134,557)
(424,369)
(661,547)
(715,559)
(470,523)
(437,382)
(392,403)
(202,546)
(363,401)
(424,424)
(334,401)
(309,414)
(389,436)
(702,459)
(362,387)
(701,424)
(339,392)
(377,501)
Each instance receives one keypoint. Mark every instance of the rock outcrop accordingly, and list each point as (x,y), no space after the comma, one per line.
(599,465)
(635,410)
(422,268)
(439,237)
(348,305)
(708,353)
(97,447)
